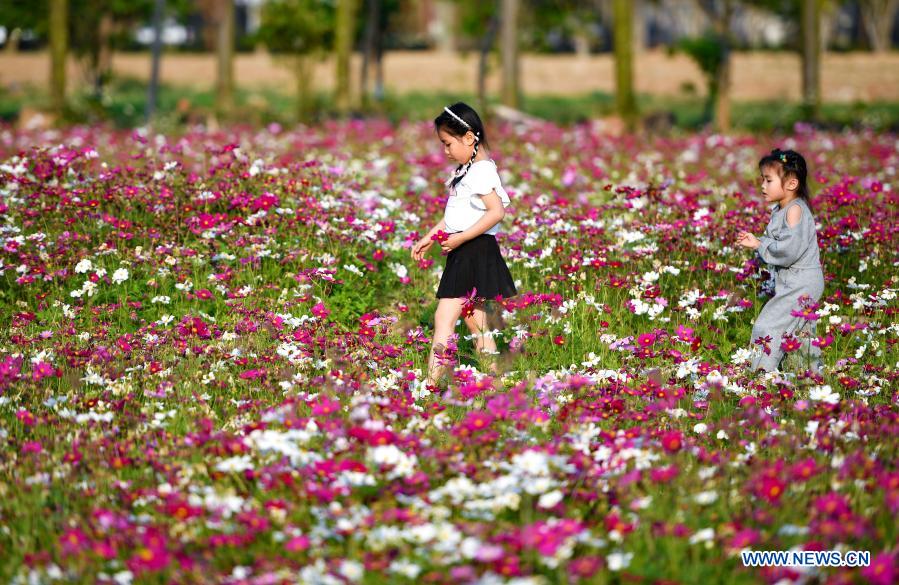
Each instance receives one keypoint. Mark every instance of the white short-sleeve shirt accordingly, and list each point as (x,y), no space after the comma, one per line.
(465,206)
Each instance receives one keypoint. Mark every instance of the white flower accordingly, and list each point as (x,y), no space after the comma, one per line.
(399,269)
(352,571)
(700,428)
(83,266)
(405,568)
(403,465)
(705,498)
(550,499)
(532,462)
(824,394)
(236,464)
(704,535)
(619,560)
(120,275)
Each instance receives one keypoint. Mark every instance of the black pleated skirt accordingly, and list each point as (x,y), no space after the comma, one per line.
(476,264)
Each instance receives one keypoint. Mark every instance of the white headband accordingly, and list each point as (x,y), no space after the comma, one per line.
(453,114)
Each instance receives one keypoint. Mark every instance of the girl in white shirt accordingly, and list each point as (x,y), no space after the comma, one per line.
(475,270)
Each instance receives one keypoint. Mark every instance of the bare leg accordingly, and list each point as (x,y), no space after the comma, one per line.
(483,342)
(448,312)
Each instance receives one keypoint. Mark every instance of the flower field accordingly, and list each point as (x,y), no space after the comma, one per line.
(211,364)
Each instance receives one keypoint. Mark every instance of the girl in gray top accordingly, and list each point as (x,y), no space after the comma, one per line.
(790,246)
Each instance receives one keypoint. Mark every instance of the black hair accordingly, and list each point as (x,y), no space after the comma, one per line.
(447,122)
(789,163)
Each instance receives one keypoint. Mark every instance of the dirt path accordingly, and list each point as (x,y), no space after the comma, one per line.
(757,76)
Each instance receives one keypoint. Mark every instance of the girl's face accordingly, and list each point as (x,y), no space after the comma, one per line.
(457,149)
(776,189)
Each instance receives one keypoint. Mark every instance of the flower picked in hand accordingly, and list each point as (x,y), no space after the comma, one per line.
(440,237)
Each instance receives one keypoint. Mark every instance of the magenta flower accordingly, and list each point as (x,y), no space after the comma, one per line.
(882,570)
(297,544)
(42,370)
(832,504)
(152,555)
(672,441)
(73,541)
(319,311)
(789,343)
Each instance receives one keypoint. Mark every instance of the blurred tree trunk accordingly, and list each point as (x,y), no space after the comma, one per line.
(372,34)
(224,82)
(877,18)
(509,44)
(59,47)
(12,42)
(719,13)
(303,76)
(155,56)
(810,21)
(625,101)
(103,66)
(343,50)
(486,44)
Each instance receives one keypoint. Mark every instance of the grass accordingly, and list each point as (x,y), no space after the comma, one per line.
(124,105)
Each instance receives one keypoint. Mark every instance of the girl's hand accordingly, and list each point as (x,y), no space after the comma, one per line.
(421,248)
(452,242)
(748,240)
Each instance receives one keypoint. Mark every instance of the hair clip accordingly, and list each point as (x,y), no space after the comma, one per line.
(783,157)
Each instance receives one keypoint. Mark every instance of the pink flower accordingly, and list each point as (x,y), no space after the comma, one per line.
(646,339)
(672,441)
(25,417)
(73,541)
(325,406)
(190,326)
(42,370)
(664,474)
(805,469)
(297,544)
(789,343)
(32,447)
(771,489)
(152,555)
(320,311)
(744,538)
(882,570)
(833,505)
(253,374)
(478,420)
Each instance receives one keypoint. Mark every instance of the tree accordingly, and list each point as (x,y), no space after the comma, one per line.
(59,49)
(810,24)
(92,27)
(509,41)
(372,51)
(224,87)
(877,18)
(625,99)
(719,13)
(343,48)
(376,21)
(481,20)
(298,31)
